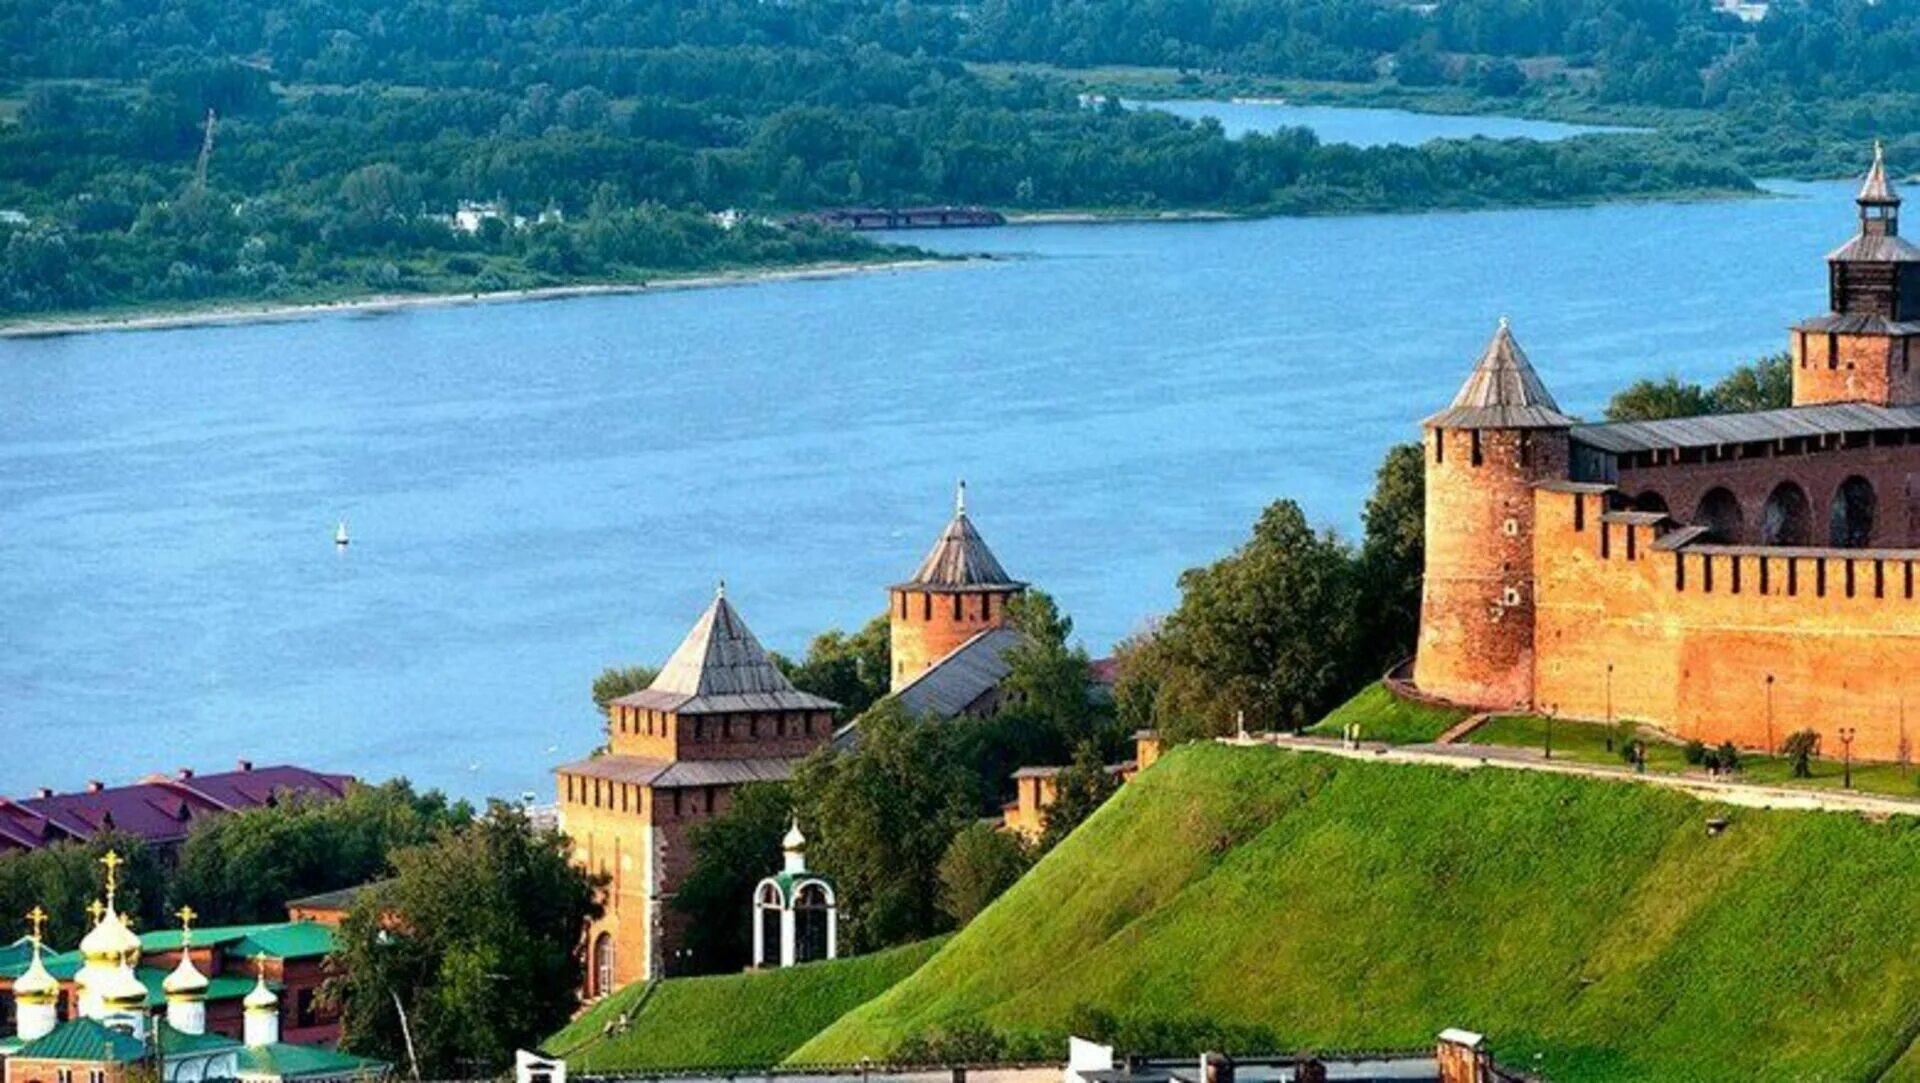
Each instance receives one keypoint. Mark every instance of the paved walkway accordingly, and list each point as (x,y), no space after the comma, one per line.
(1473,757)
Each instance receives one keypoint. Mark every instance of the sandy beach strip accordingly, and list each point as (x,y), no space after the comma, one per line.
(268,313)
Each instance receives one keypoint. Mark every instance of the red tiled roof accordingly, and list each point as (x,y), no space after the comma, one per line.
(158,809)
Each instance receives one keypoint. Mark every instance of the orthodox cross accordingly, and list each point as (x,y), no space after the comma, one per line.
(38,919)
(96,910)
(186,915)
(113,862)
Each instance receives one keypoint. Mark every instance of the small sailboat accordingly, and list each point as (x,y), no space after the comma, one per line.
(340,534)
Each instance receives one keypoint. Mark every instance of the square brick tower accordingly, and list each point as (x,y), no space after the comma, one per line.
(1862,350)
(719,715)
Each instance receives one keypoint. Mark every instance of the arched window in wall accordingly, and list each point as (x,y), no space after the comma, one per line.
(1650,501)
(1719,511)
(1850,518)
(1788,518)
(603,965)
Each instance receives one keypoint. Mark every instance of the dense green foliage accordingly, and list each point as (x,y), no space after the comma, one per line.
(981,863)
(1383,716)
(480,935)
(63,879)
(616,681)
(347,135)
(1080,789)
(1766,384)
(731,853)
(238,868)
(734,1020)
(851,670)
(246,866)
(1284,628)
(1324,903)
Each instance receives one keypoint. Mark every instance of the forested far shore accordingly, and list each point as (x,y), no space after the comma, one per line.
(190,155)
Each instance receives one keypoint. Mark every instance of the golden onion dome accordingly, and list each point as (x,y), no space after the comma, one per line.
(262,998)
(110,942)
(186,982)
(37,985)
(122,991)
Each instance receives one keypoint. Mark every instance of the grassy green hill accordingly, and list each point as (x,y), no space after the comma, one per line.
(1337,904)
(1385,717)
(730,1020)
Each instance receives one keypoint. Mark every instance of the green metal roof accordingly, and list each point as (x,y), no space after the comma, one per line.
(284,1061)
(84,1040)
(180,1043)
(279,940)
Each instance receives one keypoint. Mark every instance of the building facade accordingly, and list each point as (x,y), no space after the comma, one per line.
(719,715)
(1735,577)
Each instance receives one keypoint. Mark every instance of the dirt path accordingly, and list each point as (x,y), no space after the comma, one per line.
(1474,757)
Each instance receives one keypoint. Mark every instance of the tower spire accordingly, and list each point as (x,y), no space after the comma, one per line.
(960,498)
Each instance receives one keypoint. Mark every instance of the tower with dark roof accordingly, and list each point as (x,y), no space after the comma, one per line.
(959,591)
(718,716)
(1862,349)
(1501,436)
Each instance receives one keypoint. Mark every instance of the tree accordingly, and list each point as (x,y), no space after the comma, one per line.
(1766,384)
(245,866)
(1392,559)
(65,877)
(853,671)
(884,814)
(1800,749)
(731,853)
(616,681)
(1047,678)
(1078,790)
(1650,400)
(1269,630)
(981,862)
(480,934)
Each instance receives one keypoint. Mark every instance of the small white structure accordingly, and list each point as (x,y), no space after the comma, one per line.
(795,912)
(534,1068)
(260,1022)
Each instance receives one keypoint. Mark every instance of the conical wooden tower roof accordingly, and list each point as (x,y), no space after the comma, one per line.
(1502,392)
(1876,188)
(720,666)
(960,559)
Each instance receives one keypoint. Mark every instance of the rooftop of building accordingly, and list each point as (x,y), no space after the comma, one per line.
(954,683)
(238,945)
(960,561)
(1502,392)
(159,809)
(720,668)
(663,774)
(1719,430)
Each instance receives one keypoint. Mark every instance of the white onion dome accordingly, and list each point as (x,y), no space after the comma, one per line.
(794,840)
(122,991)
(110,943)
(262,998)
(37,985)
(186,982)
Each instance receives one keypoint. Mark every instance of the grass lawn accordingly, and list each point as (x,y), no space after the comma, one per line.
(1386,717)
(1342,904)
(1585,742)
(730,1020)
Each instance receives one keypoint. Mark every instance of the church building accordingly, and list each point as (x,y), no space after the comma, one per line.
(1732,577)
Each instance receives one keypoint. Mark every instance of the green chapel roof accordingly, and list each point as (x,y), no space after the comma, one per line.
(293,1062)
(84,1040)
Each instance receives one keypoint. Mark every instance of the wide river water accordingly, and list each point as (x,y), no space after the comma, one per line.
(538,490)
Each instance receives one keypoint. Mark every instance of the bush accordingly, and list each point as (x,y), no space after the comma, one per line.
(1696,753)
(981,862)
(1800,749)
(1727,757)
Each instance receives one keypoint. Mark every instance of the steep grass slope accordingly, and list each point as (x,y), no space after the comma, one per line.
(1343,904)
(1385,717)
(729,1020)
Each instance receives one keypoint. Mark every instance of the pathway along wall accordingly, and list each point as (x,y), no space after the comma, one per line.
(1692,635)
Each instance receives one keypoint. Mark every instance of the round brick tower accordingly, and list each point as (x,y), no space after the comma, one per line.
(959,591)
(1484,454)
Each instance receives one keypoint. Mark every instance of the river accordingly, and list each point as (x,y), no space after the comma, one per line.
(538,490)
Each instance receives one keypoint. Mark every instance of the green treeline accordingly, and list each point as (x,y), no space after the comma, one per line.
(607,136)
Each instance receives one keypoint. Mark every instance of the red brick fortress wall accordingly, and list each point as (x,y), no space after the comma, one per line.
(1687,638)
(926,626)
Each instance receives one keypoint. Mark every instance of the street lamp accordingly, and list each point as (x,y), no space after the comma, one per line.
(1769,714)
(1550,711)
(1609,706)
(1846,745)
